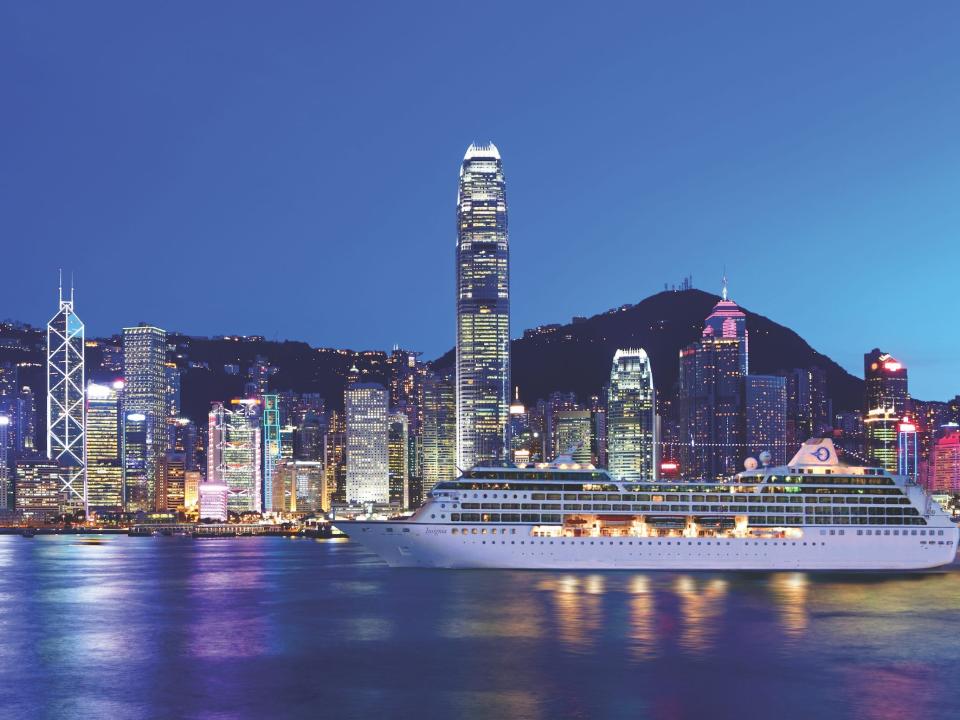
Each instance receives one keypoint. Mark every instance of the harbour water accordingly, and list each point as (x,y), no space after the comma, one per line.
(265,627)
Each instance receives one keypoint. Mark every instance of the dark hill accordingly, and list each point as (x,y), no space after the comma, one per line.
(577,357)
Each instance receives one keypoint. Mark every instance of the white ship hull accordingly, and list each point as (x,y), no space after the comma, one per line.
(412,544)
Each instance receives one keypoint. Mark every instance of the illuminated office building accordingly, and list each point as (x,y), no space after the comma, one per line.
(574,433)
(233,454)
(299,486)
(944,470)
(213,500)
(711,395)
(908,455)
(880,429)
(66,410)
(104,448)
(38,483)
(145,393)
(4,462)
(335,462)
(368,475)
(886,401)
(182,437)
(191,489)
(885,383)
(172,378)
(631,417)
(398,459)
(439,430)
(271,446)
(134,451)
(483,309)
(171,489)
(766,413)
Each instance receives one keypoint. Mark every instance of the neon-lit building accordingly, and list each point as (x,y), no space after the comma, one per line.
(191,489)
(271,446)
(213,500)
(66,409)
(4,462)
(631,418)
(944,468)
(145,393)
(710,401)
(885,383)
(908,453)
(233,454)
(104,467)
(368,473)
(881,432)
(483,309)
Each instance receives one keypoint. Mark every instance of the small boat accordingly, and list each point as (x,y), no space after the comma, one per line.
(28,532)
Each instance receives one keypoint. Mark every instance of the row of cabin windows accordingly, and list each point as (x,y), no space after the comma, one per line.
(832,480)
(835,520)
(888,532)
(504,517)
(510,506)
(728,508)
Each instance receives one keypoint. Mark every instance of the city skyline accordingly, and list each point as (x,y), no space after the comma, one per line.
(657,197)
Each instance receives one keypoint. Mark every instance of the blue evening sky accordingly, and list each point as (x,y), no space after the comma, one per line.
(289,169)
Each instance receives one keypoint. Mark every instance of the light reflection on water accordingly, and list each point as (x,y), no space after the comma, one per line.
(142,627)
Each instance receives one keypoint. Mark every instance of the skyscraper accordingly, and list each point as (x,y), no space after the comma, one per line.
(881,430)
(483,309)
(439,430)
(944,472)
(233,456)
(631,417)
(368,475)
(885,383)
(398,450)
(766,412)
(271,446)
(4,463)
(710,398)
(727,320)
(574,433)
(66,411)
(145,393)
(133,432)
(886,401)
(104,470)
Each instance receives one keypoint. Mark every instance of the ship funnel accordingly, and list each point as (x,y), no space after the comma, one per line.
(816,452)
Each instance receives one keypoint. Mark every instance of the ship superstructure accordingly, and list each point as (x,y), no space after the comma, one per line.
(815,513)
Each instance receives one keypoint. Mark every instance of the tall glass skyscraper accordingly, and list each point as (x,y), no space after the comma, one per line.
(66,412)
(145,393)
(104,471)
(631,417)
(483,309)
(368,473)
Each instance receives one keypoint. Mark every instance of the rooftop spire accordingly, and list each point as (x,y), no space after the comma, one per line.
(723,292)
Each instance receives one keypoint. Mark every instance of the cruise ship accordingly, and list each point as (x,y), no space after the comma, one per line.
(815,513)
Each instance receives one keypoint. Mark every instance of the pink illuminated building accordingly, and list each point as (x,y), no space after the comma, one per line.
(943,472)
